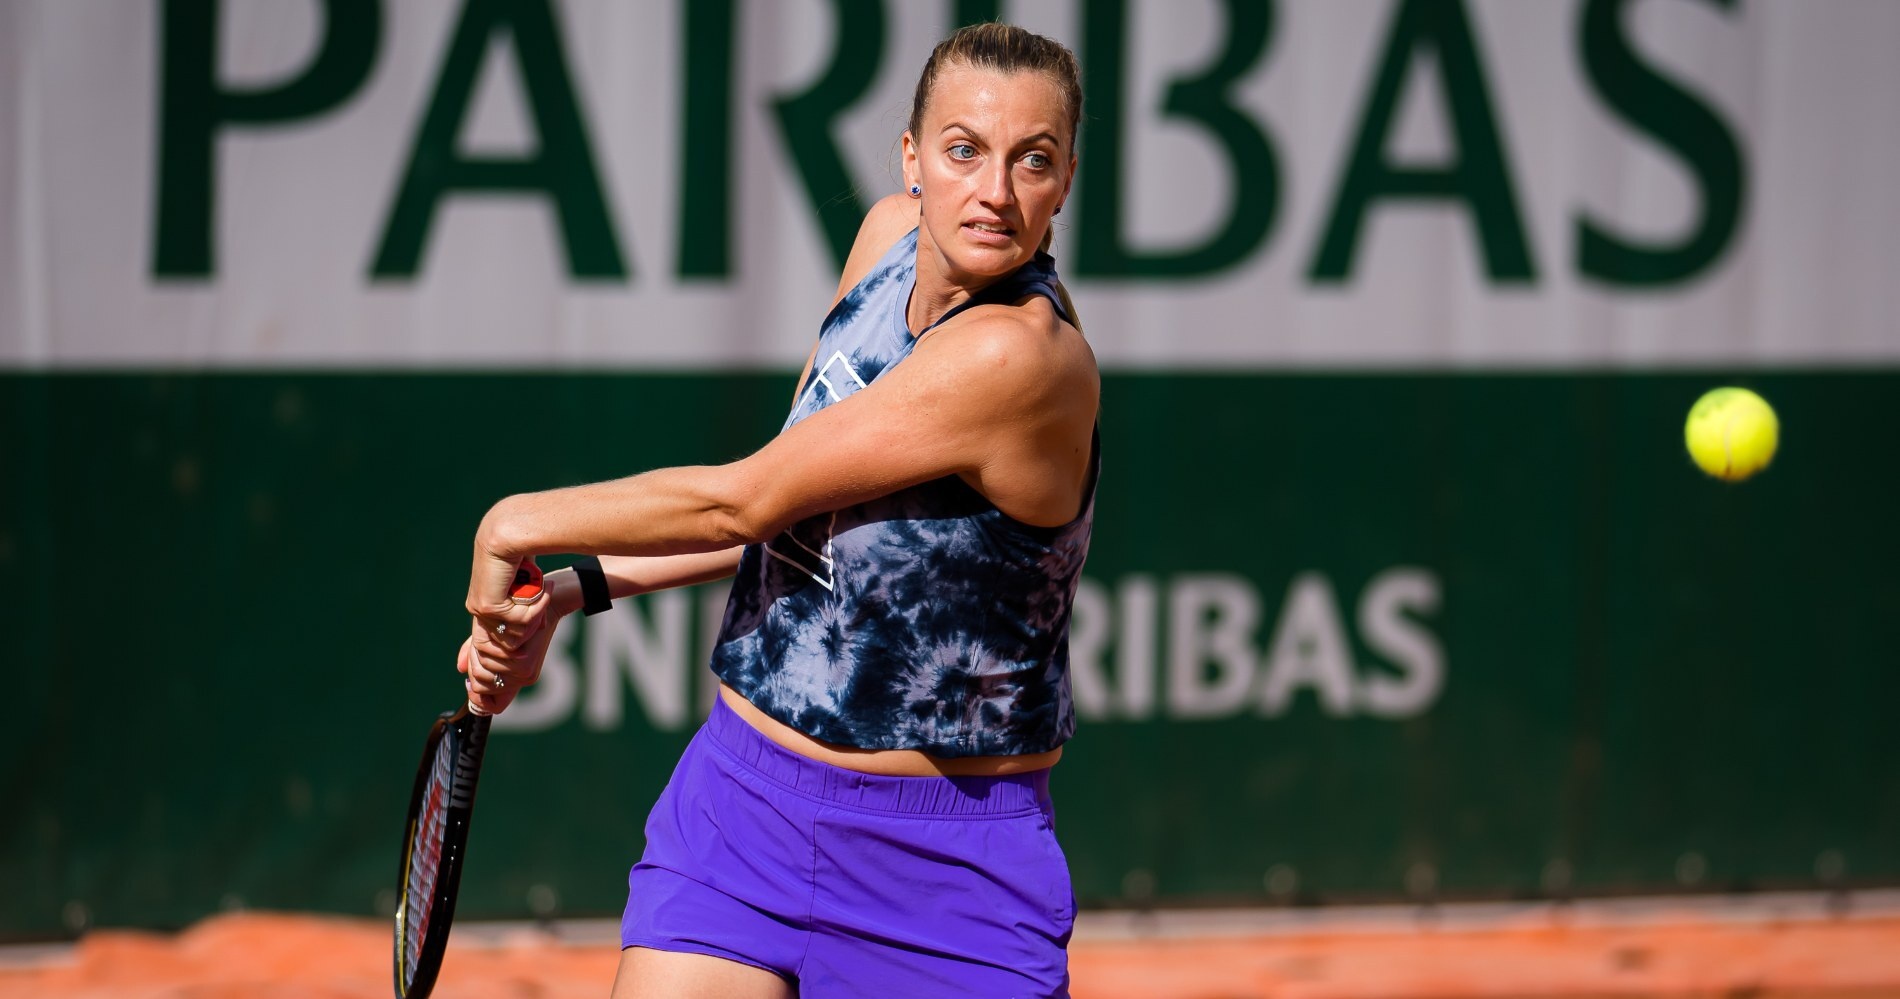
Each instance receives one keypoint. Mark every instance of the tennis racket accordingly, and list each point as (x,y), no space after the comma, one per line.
(435,842)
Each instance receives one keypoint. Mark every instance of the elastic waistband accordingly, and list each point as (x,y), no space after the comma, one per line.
(1011,794)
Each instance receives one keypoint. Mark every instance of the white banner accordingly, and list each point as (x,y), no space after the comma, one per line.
(490,184)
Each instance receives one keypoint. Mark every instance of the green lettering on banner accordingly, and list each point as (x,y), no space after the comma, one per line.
(194,107)
(705,243)
(805,121)
(1203,99)
(562,168)
(1676,119)
(1477,176)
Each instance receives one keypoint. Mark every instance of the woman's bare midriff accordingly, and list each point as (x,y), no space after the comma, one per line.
(883,762)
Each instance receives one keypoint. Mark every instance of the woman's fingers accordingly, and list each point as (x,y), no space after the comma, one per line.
(504,650)
(490,688)
(513,626)
(489,582)
(499,670)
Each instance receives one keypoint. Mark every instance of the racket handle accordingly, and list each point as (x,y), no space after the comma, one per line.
(527,584)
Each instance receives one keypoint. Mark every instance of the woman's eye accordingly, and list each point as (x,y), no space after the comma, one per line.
(962,151)
(1036,161)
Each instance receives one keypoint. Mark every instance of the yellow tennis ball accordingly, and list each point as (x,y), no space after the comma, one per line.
(1732,433)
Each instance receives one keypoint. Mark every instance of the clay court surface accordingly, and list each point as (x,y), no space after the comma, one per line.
(1782,946)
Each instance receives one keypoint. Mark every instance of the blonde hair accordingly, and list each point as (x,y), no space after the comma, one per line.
(1007,48)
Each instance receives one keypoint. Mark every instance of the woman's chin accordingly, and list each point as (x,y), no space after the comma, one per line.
(989,260)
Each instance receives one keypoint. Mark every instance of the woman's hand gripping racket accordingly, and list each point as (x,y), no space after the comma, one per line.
(436,839)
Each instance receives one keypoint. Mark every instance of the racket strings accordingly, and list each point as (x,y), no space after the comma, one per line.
(425,858)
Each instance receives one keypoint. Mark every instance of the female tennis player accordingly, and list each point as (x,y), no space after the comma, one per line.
(867,810)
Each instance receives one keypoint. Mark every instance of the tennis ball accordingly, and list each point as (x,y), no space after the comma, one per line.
(1731,433)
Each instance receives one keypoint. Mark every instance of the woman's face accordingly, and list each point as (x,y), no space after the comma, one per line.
(995,163)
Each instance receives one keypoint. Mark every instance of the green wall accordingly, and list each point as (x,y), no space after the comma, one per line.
(238,598)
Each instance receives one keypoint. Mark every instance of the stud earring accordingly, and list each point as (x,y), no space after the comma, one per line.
(916,191)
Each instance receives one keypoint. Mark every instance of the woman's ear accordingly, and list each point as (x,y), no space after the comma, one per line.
(912,177)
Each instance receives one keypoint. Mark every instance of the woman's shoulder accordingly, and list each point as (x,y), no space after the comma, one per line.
(1027,339)
(889,220)
(1023,312)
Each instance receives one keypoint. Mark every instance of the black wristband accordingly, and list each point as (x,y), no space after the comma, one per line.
(594,598)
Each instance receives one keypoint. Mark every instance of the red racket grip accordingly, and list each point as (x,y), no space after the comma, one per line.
(527,584)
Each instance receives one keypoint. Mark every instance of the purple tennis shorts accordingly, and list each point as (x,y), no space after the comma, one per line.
(852,884)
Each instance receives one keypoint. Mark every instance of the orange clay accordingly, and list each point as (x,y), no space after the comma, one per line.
(245,956)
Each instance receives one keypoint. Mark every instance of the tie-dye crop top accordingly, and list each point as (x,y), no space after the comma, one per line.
(926,619)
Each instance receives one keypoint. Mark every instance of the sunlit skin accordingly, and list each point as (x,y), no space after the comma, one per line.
(996,153)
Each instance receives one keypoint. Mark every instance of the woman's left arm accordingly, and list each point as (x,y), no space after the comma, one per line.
(510,656)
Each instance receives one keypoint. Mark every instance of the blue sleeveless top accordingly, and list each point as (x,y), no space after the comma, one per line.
(926,619)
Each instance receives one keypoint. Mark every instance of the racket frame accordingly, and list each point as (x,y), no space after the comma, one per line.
(465,733)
